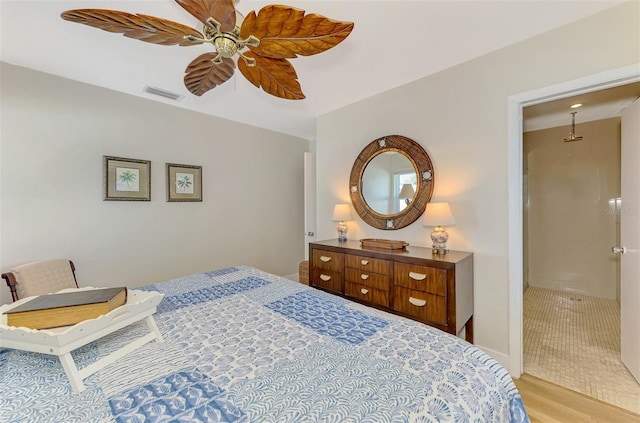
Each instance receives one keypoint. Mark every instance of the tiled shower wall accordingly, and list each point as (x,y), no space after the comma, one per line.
(570,208)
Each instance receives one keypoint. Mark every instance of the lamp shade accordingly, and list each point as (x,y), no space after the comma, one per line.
(342,212)
(407,191)
(438,214)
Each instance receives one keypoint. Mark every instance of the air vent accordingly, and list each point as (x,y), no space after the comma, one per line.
(162,93)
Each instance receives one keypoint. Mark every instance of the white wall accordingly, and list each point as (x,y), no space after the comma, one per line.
(460,117)
(571,225)
(54,133)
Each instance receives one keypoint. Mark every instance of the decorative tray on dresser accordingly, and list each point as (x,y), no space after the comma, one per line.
(434,289)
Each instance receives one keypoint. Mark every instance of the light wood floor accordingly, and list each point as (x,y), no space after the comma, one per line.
(550,403)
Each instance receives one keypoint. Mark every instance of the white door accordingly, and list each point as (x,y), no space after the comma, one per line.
(630,239)
(309,203)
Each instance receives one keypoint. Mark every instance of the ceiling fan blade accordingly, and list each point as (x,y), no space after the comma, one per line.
(222,11)
(203,75)
(141,27)
(276,76)
(285,32)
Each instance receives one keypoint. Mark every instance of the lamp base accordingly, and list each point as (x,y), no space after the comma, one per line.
(439,238)
(342,231)
(439,250)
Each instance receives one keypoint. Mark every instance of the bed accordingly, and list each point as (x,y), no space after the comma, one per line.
(243,345)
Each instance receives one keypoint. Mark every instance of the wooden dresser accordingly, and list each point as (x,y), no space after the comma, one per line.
(415,283)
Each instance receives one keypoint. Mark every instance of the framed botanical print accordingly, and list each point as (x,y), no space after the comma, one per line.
(184,182)
(126,179)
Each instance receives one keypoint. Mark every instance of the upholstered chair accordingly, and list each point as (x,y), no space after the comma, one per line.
(40,277)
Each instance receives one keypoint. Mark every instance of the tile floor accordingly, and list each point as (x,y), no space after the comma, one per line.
(574,341)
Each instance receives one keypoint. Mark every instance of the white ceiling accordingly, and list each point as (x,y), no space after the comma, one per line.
(596,105)
(393,42)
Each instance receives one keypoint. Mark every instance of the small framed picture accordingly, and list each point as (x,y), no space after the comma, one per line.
(126,179)
(184,182)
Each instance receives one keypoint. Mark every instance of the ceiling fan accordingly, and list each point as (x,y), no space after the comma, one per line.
(273,35)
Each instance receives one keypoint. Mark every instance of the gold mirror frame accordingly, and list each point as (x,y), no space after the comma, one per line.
(425,177)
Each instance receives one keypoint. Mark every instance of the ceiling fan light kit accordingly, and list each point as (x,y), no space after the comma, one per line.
(264,41)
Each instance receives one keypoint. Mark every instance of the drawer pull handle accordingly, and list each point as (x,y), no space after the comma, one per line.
(364,277)
(364,262)
(325,278)
(417,276)
(325,259)
(364,291)
(417,302)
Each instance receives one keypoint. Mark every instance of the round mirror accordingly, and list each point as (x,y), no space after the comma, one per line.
(391,182)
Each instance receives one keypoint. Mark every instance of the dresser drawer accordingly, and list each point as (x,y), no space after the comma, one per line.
(327,260)
(420,304)
(372,280)
(366,293)
(421,278)
(368,264)
(327,279)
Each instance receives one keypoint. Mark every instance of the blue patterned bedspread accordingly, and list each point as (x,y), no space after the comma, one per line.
(242,345)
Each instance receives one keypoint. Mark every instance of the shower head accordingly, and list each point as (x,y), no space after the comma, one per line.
(572,138)
(572,135)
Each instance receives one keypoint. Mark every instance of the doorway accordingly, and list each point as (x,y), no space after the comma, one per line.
(611,78)
(571,300)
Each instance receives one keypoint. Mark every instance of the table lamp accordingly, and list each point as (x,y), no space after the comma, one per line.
(407,192)
(438,215)
(342,213)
